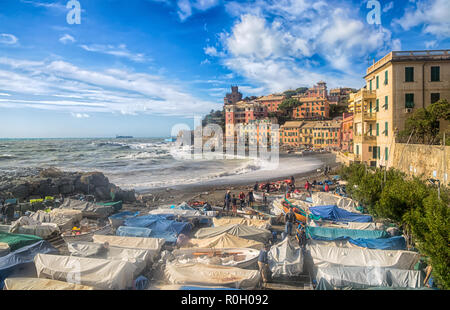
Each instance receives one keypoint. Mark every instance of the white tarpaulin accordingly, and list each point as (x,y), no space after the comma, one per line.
(223,221)
(246,232)
(88,209)
(36,284)
(327,256)
(211,275)
(99,273)
(325,199)
(335,243)
(65,219)
(140,258)
(364,277)
(43,230)
(225,241)
(152,245)
(286,258)
(4,249)
(349,225)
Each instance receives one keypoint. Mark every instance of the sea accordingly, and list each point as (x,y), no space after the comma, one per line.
(144,164)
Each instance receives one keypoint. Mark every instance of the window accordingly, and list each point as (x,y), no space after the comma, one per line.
(386,102)
(386,153)
(386,128)
(370,85)
(374,152)
(378,152)
(370,107)
(435,97)
(378,84)
(409,101)
(385,77)
(378,129)
(435,74)
(370,129)
(409,74)
(377,105)
(370,149)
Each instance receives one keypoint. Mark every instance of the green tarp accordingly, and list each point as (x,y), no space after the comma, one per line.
(329,233)
(17,241)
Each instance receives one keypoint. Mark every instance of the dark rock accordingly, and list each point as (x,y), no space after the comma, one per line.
(66,189)
(21,191)
(102,193)
(95,179)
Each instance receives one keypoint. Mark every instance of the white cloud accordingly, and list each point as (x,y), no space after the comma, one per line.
(432,15)
(430,44)
(66,39)
(80,115)
(119,51)
(60,85)
(187,7)
(8,39)
(205,62)
(5,94)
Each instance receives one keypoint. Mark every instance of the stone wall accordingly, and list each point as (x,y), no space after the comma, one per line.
(431,161)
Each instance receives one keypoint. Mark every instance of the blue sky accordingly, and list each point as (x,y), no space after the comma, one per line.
(138,67)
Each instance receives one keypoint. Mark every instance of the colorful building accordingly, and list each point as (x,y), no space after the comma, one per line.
(290,133)
(271,101)
(233,97)
(312,108)
(317,134)
(347,133)
(242,113)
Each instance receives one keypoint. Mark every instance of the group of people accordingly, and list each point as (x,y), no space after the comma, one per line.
(232,201)
(309,186)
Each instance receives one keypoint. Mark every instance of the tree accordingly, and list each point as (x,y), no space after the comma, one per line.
(287,105)
(423,125)
(337,110)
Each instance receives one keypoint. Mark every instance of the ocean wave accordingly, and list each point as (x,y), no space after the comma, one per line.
(6,156)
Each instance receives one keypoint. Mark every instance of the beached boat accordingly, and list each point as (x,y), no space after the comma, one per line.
(234,257)
(281,206)
(72,236)
(270,197)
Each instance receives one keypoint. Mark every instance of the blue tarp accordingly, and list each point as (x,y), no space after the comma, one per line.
(329,233)
(21,257)
(126,231)
(145,220)
(393,243)
(333,213)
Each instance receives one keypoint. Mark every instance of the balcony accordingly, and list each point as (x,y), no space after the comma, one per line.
(364,139)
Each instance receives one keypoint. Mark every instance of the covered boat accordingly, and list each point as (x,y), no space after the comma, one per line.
(223,221)
(270,197)
(4,249)
(153,245)
(393,243)
(347,225)
(328,233)
(118,219)
(333,213)
(99,273)
(17,241)
(140,258)
(211,275)
(64,218)
(225,240)
(22,257)
(323,199)
(36,284)
(329,256)
(234,257)
(366,277)
(246,232)
(286,258)
(88,209)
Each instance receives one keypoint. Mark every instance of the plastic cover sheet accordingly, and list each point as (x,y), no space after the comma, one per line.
(211,275)
(323,198)
(264,224)
(17,241)
(99,273)
(64,218)
(246,232)
(23,256)
(392,243)
(349,225)
(30,284)
(44,230)
(225,241)
(153,245)
(88,208)
(334,213)
(327,256)
(286,258)
(328,233)
(145,220)
(365,277)
(126,231)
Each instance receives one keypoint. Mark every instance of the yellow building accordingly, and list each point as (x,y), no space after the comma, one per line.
(317,134)
(290,133)
(402,82)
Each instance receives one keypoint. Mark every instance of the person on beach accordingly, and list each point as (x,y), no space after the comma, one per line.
(265,199)
(293,182)
(289,218)
(326,188)
(308,187)
(302,236)
(242,199)
(263,263)
(251,199)
(234,203)
(255,188)
(227,201)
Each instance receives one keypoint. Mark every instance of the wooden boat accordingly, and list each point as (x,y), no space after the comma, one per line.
(232,257)
(72,236)
(300,214)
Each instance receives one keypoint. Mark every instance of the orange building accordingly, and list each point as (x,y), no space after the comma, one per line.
(347,133)
(290,133)
(271,101)
(242,113)
(312,108)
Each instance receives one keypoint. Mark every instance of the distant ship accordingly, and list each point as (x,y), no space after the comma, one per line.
(124,137)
